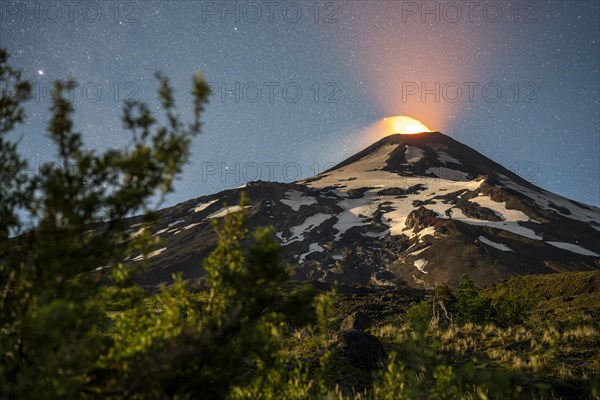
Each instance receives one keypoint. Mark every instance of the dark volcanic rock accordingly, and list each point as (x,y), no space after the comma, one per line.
(357,321)
(401,191)
(368,220)
(419,203)
(477,212)
(421,218)
(362,350)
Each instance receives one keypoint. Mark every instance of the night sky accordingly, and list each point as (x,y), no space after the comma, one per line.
(297,83)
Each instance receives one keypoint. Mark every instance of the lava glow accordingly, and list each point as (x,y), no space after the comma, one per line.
(400,124)
(393,125)
(404,125)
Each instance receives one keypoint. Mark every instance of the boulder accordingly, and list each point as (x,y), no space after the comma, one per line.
(421,218)
(361,350)
(357,321)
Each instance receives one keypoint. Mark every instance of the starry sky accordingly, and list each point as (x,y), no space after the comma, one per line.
(297,82)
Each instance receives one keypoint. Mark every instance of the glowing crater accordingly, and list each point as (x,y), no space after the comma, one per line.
(403,125)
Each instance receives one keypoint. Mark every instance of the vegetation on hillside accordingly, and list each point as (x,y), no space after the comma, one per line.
(73,324)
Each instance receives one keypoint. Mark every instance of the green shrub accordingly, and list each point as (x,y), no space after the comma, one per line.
(510,309)
(471,305)
(438,309)
(66,335)
(467,304)
(419,316)
(62,232)
(434,379)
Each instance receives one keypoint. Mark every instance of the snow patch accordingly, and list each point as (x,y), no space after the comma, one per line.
(413,154)
(499,246)
(420,265)
(509,226)
(314,247)
(371,176)
(296,199)
(446,158)
(308,225)
(227,210)
(499,208)
(149,255)
(430,230)
(416,253)
(203,206)
(190,226)
(442,155)
(137,233)
(354,214)
(160,231)
(574,248)
(345,221)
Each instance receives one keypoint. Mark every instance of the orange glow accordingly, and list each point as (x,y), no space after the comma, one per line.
(407,66)
(393,125)
(404,125)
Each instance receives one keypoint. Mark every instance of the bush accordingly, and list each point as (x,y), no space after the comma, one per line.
(471,305)
(64,333)
(434,379)
(510,309)
(419,315)
(435,311)
(467,304)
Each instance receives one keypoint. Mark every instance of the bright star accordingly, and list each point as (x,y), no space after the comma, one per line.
(40,72)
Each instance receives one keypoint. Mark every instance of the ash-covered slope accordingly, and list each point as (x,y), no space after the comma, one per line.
(423,209)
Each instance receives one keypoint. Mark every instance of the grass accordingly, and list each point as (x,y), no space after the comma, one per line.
(552,353)
(571,298)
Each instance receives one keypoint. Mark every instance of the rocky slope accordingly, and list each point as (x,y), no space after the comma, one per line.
(416,209)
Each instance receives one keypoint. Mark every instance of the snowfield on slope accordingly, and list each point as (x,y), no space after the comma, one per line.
(372,178)
(545,198)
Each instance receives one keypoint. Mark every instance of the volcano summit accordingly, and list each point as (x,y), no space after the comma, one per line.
(420,209)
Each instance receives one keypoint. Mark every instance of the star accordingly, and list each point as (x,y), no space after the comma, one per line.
(40,72)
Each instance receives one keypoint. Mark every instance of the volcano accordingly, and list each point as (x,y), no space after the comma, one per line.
(417,210)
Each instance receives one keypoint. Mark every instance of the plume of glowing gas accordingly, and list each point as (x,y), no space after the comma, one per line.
(408,67)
